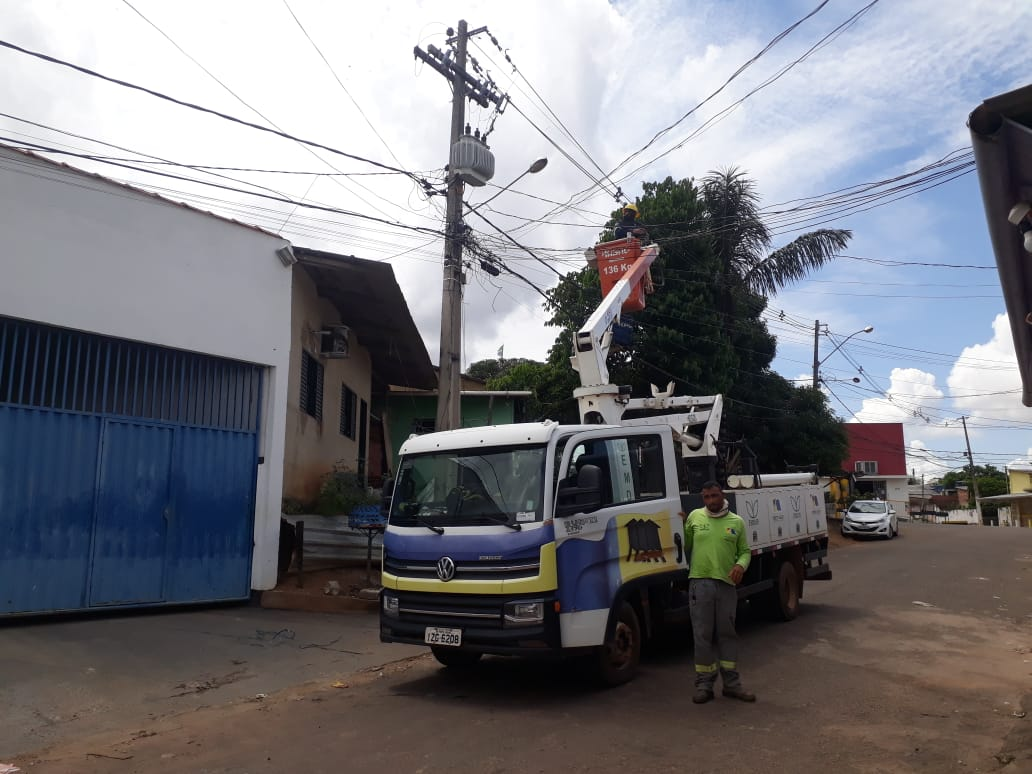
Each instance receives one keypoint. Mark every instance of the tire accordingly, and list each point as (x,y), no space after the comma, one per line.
(783,599)
(456,659)
(617,660)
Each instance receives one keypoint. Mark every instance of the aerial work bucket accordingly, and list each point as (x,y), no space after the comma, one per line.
(613,260)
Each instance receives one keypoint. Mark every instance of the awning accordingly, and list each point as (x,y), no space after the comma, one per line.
(1001,135)
(369,300)
(1007,498)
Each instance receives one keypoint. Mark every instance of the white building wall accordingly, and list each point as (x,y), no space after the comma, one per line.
(83,253)
(962,516)
(897,492)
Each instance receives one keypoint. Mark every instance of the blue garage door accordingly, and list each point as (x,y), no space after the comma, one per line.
(127,472)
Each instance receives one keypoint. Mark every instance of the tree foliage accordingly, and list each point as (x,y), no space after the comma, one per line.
(992,481)
(494,367)
(702,329)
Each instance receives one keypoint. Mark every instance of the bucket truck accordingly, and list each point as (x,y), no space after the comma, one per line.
(544,539)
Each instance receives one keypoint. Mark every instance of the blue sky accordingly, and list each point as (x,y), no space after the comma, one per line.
(886,95)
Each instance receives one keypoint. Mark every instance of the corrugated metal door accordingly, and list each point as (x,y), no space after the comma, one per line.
(127,472)
(133,507)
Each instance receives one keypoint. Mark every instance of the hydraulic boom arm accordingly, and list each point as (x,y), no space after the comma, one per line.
(600,402)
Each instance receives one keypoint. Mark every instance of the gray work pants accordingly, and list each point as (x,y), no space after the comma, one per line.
(713,605)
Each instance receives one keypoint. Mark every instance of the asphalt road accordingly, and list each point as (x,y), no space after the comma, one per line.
(917,657)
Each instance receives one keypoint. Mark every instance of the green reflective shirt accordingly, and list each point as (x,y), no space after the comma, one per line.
(714,546)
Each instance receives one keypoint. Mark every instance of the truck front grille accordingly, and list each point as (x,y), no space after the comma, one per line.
(484,570)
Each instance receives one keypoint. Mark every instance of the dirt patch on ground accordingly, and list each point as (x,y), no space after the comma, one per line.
(835,538)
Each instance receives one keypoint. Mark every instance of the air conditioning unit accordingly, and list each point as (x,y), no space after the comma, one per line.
(335,341)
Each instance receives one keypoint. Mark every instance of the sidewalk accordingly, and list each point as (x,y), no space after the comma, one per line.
(352,591)
(61,678)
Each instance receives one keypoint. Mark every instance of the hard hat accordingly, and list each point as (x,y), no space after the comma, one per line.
(633,208)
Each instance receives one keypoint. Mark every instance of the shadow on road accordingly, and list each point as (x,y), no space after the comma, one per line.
(568,683)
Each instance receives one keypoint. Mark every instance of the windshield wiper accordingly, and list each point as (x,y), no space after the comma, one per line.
(428,525)
(412,510)
(510,524)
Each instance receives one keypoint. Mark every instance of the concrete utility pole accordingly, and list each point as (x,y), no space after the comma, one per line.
(450,384)
(816,347)
(464,86)
(974,478)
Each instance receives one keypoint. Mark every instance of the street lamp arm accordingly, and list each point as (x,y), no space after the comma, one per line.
(817,362)
(533,169)
(868,329)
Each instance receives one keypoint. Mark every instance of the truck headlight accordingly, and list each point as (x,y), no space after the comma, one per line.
(390,605)
(524,613)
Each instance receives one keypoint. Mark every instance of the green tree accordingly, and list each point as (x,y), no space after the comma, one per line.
(552,386)
(991,481)
(703,328)
(492,368)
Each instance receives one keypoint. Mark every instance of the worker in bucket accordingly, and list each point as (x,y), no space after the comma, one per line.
(630,225)
(719,555)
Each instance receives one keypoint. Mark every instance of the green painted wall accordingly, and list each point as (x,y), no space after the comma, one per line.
(407,414)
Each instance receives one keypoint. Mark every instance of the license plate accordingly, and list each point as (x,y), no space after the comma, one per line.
(436,635)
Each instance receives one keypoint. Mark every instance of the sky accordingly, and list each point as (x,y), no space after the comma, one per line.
(855,93)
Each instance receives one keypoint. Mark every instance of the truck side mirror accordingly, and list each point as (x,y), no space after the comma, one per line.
(582,496)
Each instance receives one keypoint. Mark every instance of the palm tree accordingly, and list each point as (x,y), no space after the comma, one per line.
(742,241)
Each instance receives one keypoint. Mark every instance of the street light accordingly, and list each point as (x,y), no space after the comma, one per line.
(533,169)
(816,339)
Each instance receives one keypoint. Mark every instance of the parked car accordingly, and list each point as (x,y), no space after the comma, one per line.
(874,518)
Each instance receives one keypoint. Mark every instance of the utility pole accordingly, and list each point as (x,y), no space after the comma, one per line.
(816,343)
(464,86)
(974,478)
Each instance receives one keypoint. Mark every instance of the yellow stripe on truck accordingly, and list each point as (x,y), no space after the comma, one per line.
(547,580)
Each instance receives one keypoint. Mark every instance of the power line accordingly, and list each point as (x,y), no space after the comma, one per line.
(759,55)
(507,236)
(209,111)
(271,197)
(558,121)
(339,81)
(827,38)
(260,114)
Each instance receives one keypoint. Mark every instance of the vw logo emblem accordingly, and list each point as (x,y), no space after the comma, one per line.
(446,568)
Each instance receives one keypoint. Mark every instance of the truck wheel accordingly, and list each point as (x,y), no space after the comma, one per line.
(618,657)
(784,599)
(457,659)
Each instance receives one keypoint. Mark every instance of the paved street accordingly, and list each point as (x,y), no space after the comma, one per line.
(916,658)
(62,679)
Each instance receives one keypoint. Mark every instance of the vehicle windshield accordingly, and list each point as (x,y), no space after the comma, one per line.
(867,507)
(502,485)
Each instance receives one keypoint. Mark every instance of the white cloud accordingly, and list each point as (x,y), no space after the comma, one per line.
(912,398)
(923,462)
(985,381)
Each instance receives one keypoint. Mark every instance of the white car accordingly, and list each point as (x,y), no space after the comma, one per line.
(874,518)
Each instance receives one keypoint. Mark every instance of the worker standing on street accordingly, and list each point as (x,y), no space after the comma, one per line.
(718,554)
(629,225)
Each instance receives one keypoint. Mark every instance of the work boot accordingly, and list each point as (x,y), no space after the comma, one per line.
(702,695)
(738,692)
